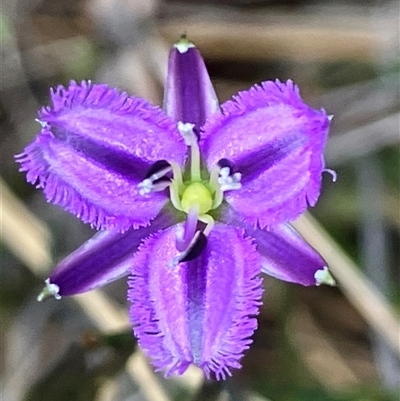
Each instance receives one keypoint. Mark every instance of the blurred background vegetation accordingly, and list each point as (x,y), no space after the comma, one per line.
(313,344)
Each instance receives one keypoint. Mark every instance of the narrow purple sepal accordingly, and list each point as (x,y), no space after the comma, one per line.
(95,146)
(287,256)
(284,253)
(104,258)
(275,141)
(202,311)
(189,95)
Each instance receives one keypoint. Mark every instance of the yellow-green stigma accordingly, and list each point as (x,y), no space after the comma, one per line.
(197,195)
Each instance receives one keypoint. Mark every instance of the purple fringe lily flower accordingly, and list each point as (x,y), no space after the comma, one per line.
(193,202)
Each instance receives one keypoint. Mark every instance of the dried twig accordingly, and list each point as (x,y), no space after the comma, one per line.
(247,35)
(363,140)
(97,306)
(26,236)
(318,353)
(361,293)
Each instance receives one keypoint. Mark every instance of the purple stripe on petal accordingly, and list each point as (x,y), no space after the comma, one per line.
(113,159)
(253,165)
(189,94)
(104,258)
(284,253)
(201,311)
(96,145)
(276,141)
(115,120)
(104,198)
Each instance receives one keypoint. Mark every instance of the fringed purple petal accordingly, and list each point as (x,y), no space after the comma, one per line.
(189,95)
(275,141)
(202,311)
(96,145)
(104,258)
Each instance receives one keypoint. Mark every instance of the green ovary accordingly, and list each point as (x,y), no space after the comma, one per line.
(197,195)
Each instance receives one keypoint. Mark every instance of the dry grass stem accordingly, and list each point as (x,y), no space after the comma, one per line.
(363,140)
(27,237)
(23,233)
(149,386)
(191,380)
(374,308)
(318,352)
(45,60)
(108,391)
(391,205)
(225,34)
(103,312)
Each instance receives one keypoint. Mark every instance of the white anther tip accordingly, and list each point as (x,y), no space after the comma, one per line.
(174,262)
(42,123)
(323,276)
(231,186)
(50,290)
(225,172)
(237,177)
(187,132)
(183,45)
(332,173)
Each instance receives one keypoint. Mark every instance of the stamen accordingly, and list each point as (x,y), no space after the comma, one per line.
(156,182)
(176,186)
(331,172)
(196,246)
(227,181)
(183,45)
(214,178)
(323,276)
(177,173)
(147,186)
(44,124)
(50,290)
(187,132)
(189,242)
(209,221)
(191,140)
(222,180)
(185,234)
(157,168)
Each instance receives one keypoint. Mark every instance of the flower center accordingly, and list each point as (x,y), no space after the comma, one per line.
(196,195)
(193,196)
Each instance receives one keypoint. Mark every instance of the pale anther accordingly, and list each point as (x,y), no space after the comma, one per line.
(44,124)
(181,255)
(187,132)
(227,181)
(149,184)
(331,172)
(323,276)
(191,140)
(183,45)
(50,290)
(145,187)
